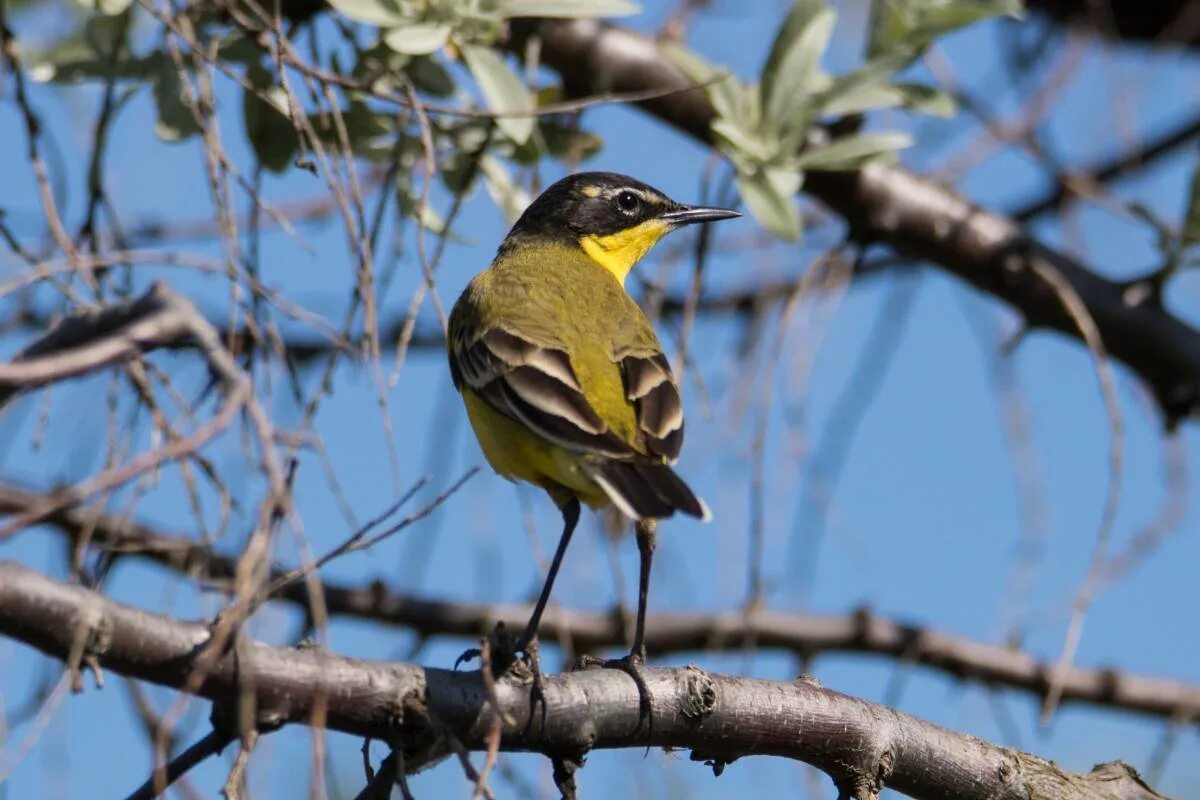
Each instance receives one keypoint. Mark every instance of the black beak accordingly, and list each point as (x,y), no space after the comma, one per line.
(689,215)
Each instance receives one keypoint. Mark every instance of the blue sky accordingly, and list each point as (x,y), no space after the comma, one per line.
(924,524)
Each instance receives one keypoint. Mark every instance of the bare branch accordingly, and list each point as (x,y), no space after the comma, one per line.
(861,745)
(666,632)
(401,331)
(1081,180)
(212,744)
(95,339)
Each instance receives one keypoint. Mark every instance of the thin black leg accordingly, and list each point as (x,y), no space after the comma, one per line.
(632,664)
(529,641)
(646,536)
(570,514)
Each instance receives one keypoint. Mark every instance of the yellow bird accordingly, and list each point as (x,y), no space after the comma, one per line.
(563,378)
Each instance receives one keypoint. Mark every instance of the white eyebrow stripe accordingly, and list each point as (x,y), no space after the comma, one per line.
(646,196)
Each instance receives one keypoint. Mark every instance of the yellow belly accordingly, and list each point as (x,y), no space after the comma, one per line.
(520,454)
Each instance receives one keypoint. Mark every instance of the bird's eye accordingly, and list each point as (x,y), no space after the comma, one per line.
(628,202)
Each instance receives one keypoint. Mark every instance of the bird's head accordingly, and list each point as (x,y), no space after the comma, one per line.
(615,219)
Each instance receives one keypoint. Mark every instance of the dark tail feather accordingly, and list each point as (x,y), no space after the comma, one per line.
(644,490)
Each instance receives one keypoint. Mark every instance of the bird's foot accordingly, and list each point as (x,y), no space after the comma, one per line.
(506,654)
(501,651)
(533,660)
(632,665)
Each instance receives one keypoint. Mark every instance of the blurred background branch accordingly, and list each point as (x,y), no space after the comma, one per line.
(229,231)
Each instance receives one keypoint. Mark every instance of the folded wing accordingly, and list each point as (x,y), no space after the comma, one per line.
(536,386)
(652,389)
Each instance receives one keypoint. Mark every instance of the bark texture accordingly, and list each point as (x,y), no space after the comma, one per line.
(426,711)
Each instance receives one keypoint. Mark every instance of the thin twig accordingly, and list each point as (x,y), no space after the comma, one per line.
(498,718)
(1108,389)
(212,744)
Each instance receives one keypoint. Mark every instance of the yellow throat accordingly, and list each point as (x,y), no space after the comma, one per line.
(618,252)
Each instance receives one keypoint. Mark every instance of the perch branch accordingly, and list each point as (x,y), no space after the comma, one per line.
(805,634)
(719,718)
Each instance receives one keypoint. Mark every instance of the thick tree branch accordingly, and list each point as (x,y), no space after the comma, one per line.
(720,718)
(912,214)
(1159,21)
(862,632)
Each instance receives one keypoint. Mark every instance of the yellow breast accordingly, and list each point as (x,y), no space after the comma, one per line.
(519,454)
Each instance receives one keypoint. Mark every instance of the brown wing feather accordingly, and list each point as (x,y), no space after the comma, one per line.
(652,389)
(536,386)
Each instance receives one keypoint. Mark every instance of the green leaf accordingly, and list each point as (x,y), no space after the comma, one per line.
(786,180)
(938,19)
(770,197)
(371,133)
(78,70)
(798,20)
(749,144)
(238,48)
(1191,214)
(889,22)
(507,195)
(430,76)
(107,7)
(87,54)
(268,127)
(364,123)
(176,119)
(926,99)
(849,95)
(851,152)
(868,81)
(502,90)
(727,94)
(384,13)
(793,25)
(864,97)
(567,142)
(567,8)
(417,39)
(409,203)
(466,136)
(791,86)
(908,26)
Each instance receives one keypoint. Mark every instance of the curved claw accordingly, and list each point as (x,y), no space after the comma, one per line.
(632,665)
(537,695)
(537,692)
(467,655)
